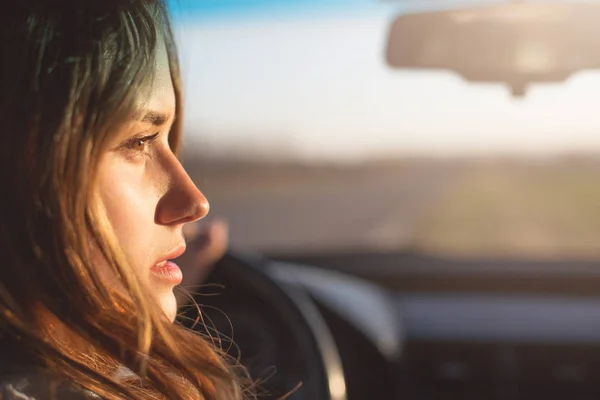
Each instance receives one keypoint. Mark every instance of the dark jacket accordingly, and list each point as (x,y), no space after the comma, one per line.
(38,386)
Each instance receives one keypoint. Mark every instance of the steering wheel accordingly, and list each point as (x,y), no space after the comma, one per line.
(278,333)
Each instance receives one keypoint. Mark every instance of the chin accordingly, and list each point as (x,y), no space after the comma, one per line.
(168,304)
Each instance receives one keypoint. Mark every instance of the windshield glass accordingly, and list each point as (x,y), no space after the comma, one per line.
(307,141)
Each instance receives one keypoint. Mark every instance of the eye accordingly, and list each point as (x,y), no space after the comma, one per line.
(137,148)
(140,144)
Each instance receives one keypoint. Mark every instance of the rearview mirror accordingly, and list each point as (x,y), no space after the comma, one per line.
(516,43)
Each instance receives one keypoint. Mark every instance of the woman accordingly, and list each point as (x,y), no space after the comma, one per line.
(94,203)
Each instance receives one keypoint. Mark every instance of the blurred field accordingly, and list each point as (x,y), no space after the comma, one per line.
(522,209)
(226,179)
(467,208)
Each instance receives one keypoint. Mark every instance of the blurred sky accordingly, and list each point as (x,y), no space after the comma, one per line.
(308,78)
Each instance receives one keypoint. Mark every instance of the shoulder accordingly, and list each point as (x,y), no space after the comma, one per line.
(39,386)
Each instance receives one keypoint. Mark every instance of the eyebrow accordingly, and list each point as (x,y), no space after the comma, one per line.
(156,118)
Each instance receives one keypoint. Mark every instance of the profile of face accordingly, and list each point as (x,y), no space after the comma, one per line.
(147,194)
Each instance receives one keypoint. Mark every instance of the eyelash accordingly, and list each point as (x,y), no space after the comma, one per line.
(134,144)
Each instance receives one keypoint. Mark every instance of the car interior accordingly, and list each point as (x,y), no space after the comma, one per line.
(413,195)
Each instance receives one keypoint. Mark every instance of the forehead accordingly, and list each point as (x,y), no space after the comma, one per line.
(161,95)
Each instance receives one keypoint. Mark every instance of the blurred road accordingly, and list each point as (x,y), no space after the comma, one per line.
(377,209)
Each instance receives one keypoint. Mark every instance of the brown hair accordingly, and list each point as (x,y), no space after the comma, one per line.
(71,72)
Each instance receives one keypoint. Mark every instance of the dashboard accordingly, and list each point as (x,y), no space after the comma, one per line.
(344,337)
(461,344)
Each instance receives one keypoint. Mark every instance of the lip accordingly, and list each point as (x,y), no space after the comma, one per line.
(173,254)
(166,270)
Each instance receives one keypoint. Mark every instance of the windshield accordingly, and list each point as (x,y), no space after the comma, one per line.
(307,141)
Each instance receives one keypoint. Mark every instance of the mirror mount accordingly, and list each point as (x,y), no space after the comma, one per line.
(518,89)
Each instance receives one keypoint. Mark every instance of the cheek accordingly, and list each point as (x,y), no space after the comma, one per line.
(130,200)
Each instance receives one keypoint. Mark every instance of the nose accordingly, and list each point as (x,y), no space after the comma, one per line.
(182,201)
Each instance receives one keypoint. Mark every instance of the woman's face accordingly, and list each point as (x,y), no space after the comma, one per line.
(147,194)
